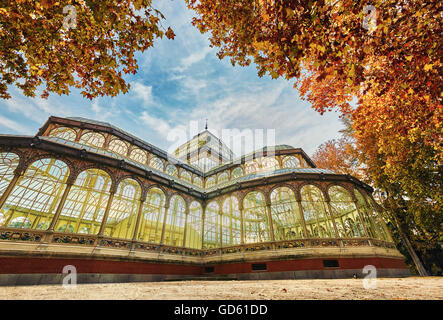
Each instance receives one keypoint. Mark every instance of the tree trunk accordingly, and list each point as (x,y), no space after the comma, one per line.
(418,265)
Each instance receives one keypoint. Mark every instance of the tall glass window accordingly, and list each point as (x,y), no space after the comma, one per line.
(8,163)
(212,226)
(151,224)
(285,215)
(346,216)
(36,196)
(367,216)
(317,218)
(231,222)
(194,226)
(255,219)
(175,222)
(86,203)
(123,214)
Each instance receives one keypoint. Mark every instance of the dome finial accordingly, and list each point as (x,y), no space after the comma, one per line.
(206,126)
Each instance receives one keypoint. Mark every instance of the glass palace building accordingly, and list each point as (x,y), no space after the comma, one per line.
(87,194)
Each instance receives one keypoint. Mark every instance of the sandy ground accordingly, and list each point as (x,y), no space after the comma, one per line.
(387,289)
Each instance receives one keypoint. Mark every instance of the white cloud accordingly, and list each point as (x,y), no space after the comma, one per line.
(142,92)
(192,59)
(156,124)
(10,124)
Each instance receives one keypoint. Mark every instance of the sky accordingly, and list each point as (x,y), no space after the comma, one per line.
(181,83)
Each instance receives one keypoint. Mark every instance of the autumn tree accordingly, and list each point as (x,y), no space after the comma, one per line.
(377,63)
(84,44)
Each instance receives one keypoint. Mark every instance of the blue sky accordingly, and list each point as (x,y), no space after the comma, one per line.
(179,81)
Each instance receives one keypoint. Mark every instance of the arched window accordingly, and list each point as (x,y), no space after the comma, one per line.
(37,195)
(222,177)
(156,164)
(231,222)
(194,226)
(118,146)
(151,224)
(255,218)
(286,215)
(92,139)
(123,214)
(198,182)
(379,223)
(317,218)
(291,162)
(171,170)
(237,173)
(86,203)
(367,216)
(8,163)
(251,167)
(65,133)
(184,175)
(269,164)
(175,222)
(210,182)
(345,213)
(139,155)
(211,229)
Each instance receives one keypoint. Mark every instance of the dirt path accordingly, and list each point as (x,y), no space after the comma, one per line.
(387,288)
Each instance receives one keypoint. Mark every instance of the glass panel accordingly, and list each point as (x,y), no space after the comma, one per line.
(251,167)
(231,222)
(8,163)
(37,194)
(139,156)
(237,173)
(198,182)
(92,139)
(86,203)
(378,220)
(64,133)
(185,176)
(291,162)
(194,226)
(223,177)
(255,219)
(171,170)
(212,226)
(156,163)
(118,146)
(346,216)
(175,222)
(269,164)
(151,224)
(123,214)
(367,215)
(317,218)
(285,215)
(210,182)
